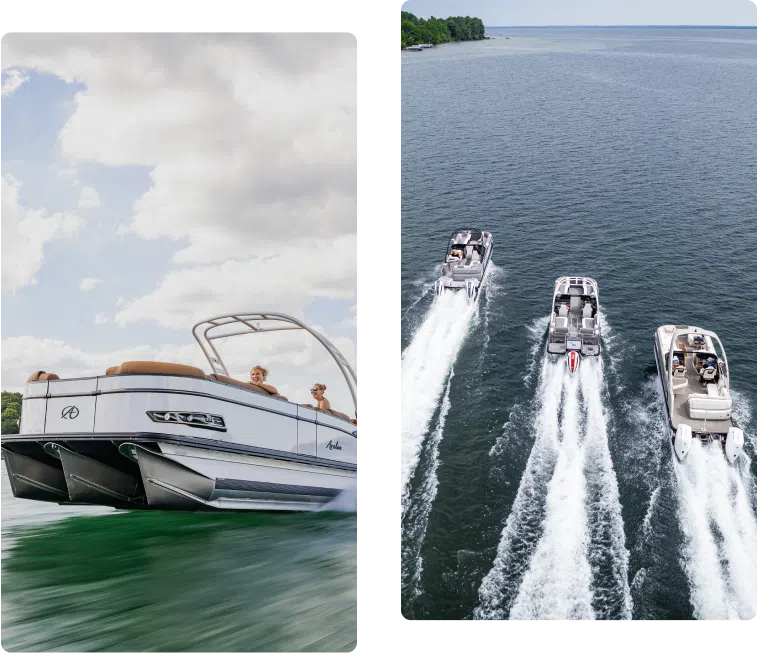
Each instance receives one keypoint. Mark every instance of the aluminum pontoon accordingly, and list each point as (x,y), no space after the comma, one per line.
(167,436)
(694,375)
(468,254)
(574,325)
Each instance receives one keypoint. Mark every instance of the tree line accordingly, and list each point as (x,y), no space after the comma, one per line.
(440,30)
(11,411)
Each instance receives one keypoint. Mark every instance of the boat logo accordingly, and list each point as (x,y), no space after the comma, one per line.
(70,412)
(335,445)
(198,420)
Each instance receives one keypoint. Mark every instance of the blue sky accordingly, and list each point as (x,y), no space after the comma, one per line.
(593,12)
(179,192)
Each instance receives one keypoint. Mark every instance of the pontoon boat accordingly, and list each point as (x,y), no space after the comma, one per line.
(468,255)
(693,371)
(574,328)
(162,435)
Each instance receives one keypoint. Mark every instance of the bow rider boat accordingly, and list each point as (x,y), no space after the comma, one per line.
(157,435)
(468,255)
(574,327)
(693,371)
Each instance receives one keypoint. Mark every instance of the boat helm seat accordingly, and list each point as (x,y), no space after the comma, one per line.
(155,367)
(679,372)
(587,310)
(42,376)
(587,326)
(561,325)
(708,373)
(563,312)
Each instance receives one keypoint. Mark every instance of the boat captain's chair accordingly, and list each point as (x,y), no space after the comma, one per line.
(709,373)
(587,311)
(563,311)
(679,372)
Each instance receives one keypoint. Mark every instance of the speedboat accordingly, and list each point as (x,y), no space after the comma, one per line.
(468,254)
(574,325)
(158,435)
(693,371)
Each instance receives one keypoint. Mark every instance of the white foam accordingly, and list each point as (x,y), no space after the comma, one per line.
(416,518)
(425,365)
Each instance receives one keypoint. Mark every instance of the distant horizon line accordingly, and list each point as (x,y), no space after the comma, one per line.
(630,25)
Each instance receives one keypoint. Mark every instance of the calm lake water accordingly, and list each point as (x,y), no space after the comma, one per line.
(96,579)
(629,155)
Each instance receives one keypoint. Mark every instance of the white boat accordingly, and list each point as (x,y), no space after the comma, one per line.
(574,324)
(694,375)
(167,436)
(468,254)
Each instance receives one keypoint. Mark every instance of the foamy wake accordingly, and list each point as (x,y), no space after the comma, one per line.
(562,553)
(415,520)
(426,364)
(719,551)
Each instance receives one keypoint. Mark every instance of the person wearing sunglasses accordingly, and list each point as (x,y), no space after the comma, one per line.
(317,392)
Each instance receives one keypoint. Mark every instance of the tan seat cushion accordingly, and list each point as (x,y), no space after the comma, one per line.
(155,367)
(42,376)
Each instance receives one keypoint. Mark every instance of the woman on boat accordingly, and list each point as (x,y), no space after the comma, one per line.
(258,375)
(321,402)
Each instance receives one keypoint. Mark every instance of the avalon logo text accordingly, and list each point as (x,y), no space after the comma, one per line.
(333,445)
(70,412)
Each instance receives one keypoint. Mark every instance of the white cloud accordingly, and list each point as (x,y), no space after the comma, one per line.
(13,79)
(284,278)
(351,321)
(101,318)
(250,138)
(295,360)
(25,233)
(89,198)
(88,283)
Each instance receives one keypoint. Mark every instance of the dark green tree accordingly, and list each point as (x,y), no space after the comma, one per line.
(11,411)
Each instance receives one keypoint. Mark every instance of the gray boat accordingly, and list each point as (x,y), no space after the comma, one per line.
(468,254)
(694,375)
(574,325)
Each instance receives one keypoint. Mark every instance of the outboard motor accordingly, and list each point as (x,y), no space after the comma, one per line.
(734,444)
(470,289)
(572,359)
(682,441)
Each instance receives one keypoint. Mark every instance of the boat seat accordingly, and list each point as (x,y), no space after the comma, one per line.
(679,372)
(708,374)
(680,388)
(561,325)
(42,376)
(563,311)
(154,367)
(701,406)
(586,311)
(587,326)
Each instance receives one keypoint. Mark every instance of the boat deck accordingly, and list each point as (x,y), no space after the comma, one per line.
(680,413)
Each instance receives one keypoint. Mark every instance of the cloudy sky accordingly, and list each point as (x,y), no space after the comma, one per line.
(593,12)
(152,181)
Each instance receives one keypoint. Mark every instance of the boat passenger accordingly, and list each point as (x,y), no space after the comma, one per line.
(321,402)
(258,375)
(457,253)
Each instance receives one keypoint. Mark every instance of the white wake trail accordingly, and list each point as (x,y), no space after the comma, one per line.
(557,584)
(426,364)
(720,535)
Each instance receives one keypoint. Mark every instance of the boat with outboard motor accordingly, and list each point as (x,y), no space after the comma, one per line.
(468,254)
(574,324)
(695,379)
(158,435)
